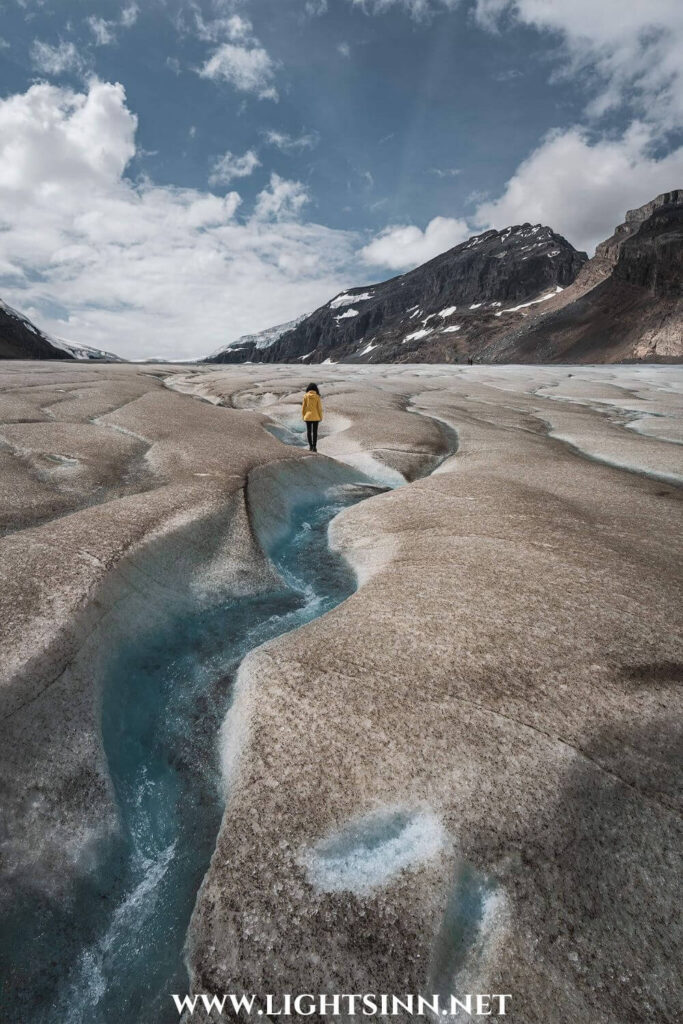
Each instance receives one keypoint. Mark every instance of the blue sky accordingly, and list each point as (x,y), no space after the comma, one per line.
(175,174)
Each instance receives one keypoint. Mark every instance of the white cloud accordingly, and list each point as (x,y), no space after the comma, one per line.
(418,9)
(315,7)
(53,140)
(136,268)
(401,247)
(282,200)
(635,48)
(234,27)
(105,31)
(344,49)
(248,68)
(55,60)
(582,188)
(239,58)
(229,166)
(129,15)
(291,143)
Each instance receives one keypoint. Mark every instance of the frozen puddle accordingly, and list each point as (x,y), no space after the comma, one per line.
(369,852)
(472,911)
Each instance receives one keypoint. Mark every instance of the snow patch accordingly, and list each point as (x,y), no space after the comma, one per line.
(346,300)
(448,311)
(525,305)
(346,315)
(450,330)
(421,333)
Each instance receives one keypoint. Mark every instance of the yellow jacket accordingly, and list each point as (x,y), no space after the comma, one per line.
(312,406)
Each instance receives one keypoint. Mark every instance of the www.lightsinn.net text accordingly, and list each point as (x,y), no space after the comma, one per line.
(341,1005)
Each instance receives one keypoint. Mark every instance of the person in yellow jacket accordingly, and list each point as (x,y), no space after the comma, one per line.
(312,413)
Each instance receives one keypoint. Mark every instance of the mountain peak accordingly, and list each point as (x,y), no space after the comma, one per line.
(434,310)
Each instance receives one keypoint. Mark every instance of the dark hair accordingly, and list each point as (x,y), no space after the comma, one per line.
(313,387)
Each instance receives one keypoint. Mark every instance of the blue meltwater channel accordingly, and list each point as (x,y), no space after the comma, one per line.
(116,952)
(113,951)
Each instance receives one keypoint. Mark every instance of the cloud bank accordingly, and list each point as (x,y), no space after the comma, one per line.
(404,246)
(582,189)
(133,267)
(580,180)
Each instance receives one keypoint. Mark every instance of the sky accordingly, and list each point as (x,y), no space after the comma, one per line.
(177,173)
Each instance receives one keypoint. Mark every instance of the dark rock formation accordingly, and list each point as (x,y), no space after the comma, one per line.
(626,303)
(435,313)
(20,339)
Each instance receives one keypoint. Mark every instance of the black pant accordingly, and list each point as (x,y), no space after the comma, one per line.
(312,432)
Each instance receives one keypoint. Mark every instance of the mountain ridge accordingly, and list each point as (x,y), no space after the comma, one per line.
(499,297)
(625,304)
(21,339)
(493,269)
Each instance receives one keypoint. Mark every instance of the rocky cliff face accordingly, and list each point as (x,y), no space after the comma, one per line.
(435,313)
(626,303)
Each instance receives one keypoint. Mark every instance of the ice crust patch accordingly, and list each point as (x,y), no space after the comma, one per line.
(371,851)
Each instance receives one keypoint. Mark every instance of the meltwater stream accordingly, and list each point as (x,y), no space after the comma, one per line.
(165,697)
(116,953)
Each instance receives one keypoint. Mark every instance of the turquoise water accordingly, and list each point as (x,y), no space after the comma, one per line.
(116,952)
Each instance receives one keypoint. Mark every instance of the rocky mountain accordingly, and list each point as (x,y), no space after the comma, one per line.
(21,339)
(519,295)
(439,312)
(626,302)
(248,347)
